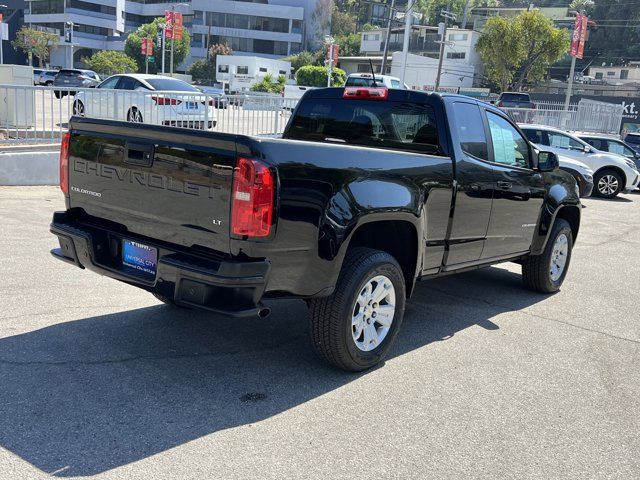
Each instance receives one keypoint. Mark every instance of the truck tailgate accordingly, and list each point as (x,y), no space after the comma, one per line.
(167,184)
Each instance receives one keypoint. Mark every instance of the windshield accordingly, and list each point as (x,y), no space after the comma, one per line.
(634,139)
(373,123)
(171,84)
(69,73)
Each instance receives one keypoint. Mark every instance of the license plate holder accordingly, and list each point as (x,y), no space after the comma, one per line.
(139,257)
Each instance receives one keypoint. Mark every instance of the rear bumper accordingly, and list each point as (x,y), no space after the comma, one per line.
(195,280)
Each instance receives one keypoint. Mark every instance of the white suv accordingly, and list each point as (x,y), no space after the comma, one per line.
(367,80)
(613,173)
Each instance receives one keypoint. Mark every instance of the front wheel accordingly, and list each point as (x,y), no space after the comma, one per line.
(545,272)
(354,327)
(608,183)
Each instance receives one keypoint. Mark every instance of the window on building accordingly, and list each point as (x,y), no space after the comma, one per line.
(364,68)
(47,6)
(599,75)
(282,72)
(223,68)
(269,24)
(460,37)
(242,70)
(456,55)
(296,26)
(374,37)
(611,74)
(624,74)
(263,70)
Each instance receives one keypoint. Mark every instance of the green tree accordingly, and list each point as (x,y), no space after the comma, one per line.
(543,44)
(518,50)
(349,45)
(342,23)
(205,70)
(305,58)
(314,76)
(150,30)
(268,85)
(36,42)
(108,62)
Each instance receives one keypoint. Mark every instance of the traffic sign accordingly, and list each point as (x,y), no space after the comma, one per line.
(168,19)
(177,26)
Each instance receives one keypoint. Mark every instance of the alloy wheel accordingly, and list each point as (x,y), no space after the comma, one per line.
(373,313)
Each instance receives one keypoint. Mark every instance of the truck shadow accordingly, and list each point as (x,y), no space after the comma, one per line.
(87,396)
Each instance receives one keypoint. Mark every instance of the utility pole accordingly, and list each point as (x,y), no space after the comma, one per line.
(388,35)
(405,42)
(162,47)
(69,38)
(443,41)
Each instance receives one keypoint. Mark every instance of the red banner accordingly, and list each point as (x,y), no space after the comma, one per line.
(177,26)
(575,36)
(143,46)
(1,18)
(332,54)
(583,36)
(168,19)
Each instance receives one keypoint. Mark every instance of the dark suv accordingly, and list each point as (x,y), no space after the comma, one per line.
(73,77)
(633,140)
(515,100)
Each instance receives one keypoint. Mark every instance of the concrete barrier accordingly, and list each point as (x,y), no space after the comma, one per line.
(29,168)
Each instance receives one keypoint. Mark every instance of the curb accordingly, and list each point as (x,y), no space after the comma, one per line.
(29,168)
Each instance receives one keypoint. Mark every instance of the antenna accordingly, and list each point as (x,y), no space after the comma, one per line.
(375,84)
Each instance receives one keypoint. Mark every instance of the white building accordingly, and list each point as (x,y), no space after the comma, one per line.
(270,28)
(421,72)
(238,72)
(616,75)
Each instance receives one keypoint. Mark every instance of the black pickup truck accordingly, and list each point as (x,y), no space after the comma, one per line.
(368,191)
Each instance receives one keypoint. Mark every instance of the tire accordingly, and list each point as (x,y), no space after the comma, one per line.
(78,108)
(134,116)
(333,331)
(48,83)
(607,183)
(538,272)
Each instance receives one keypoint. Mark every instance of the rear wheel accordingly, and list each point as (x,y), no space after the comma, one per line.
(354,327)
(545,272)
(608,183)
(134,115)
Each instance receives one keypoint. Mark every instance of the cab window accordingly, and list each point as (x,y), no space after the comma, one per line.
(470,129)
(396,84)
(535,136)
(509,147)
(620,149)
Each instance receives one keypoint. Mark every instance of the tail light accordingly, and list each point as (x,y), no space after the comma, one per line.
(252,199)
(64,163)
(166,101)
(366,93)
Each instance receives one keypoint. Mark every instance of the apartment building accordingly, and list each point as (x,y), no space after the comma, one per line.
(269,28)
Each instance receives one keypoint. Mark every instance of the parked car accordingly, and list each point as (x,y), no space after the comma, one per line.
(36,76)
(220,99)
(369,190)
(47,77)
(147,99)
(581,172)
(367,80)
(73,77)
(633,140)
(515,100)
(611,144)
(613,173)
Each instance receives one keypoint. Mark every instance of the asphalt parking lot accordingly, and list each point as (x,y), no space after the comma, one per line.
(486,379)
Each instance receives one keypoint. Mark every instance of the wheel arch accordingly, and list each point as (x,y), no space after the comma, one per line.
(569,212)
(398,238)
(616,169)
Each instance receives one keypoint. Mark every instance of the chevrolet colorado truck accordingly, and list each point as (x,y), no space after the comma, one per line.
(367,191)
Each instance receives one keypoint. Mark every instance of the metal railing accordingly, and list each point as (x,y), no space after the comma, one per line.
(585,116)
(35,114)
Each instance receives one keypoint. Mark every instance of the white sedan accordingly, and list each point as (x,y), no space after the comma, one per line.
(151,99)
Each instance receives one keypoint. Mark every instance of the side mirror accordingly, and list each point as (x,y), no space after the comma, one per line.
(547,161)
(586,149)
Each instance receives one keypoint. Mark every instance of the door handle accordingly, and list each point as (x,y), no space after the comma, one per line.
(504,185)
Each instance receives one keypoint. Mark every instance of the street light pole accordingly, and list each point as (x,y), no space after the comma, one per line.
(70,27)
(329,41)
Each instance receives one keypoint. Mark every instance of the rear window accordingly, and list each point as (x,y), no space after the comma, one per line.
(595,143)
(634,139)
(361,82)
(69,73)
(515,97)
(171,84)
(371,123)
